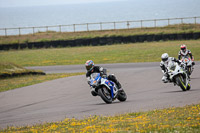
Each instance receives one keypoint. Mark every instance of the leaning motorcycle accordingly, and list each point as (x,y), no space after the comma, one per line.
(106,89)
(188,63)
(178,76)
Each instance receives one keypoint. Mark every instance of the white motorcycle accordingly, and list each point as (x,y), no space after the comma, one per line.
(178,76)
(188,63)
(106,89)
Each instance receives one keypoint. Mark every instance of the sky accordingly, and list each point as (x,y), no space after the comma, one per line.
(18,3)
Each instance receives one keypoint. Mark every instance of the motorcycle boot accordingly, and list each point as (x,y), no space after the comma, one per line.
(113,78)
(119,86)
(165,79)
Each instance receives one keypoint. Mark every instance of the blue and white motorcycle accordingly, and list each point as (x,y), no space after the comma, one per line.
(106,89)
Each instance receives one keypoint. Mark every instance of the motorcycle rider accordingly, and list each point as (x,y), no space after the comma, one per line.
(185,52)
(164,63)
(91,68)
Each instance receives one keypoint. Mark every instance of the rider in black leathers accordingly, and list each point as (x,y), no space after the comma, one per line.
(97,69)
(185,52)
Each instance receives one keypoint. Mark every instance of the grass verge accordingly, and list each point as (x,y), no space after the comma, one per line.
(21,81)
(12,70)
(180,119)
(14,76)
(121,53)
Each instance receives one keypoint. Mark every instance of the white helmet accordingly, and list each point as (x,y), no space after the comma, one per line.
(164,57)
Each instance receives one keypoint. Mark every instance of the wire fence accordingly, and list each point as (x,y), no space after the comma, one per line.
(99,26)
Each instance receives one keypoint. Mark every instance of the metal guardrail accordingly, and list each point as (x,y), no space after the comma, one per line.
(99,26)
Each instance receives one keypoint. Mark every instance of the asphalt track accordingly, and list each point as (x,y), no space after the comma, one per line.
(70,97)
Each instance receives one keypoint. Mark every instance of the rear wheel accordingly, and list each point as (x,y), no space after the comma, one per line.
(104,93)
(122,96)
(180,81)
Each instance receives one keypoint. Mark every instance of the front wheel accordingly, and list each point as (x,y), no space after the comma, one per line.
(122,96)
(104,93)
(189,86)
(180,81)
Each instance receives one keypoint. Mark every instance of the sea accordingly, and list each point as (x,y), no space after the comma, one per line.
(115,11)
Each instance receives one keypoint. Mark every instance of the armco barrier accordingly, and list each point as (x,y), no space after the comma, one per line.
(101,41)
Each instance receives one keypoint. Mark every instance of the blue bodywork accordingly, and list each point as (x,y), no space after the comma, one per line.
(109,83)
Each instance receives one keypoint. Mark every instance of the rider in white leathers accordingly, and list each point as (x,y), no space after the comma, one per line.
(164,63)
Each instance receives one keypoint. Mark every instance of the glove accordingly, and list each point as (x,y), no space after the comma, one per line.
(89,82)
(193,63)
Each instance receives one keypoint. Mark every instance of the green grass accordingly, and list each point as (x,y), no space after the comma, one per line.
(119,53)
(49,36)
(176,120)
(14,76)
(10,69)
(21,81)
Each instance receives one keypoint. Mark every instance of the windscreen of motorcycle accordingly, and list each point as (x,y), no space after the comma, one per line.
(94,75)
(172,65)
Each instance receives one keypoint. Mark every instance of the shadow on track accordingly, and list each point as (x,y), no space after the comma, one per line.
(179,91)
(116,102)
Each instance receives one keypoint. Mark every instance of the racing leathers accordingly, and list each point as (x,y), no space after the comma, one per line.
(164,65)
(187,53)
(102,71)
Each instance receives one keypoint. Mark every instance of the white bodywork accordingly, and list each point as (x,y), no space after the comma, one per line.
(188,62)
(174,69)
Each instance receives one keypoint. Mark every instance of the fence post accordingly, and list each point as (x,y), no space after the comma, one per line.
(74,27)
(181,20)
(60,28)
(46,28)
(33,30)
(5,32)
(168,22)
(155,23)
(195,20)
(100,26)
(114,25)
(19,32)
(128,24)
(87,27)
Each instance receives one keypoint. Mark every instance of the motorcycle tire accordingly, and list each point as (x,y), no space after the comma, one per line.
(188,87)
(180,82)
(122,96)
(105,95)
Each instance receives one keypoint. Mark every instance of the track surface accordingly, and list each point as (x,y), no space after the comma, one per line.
(70,97)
